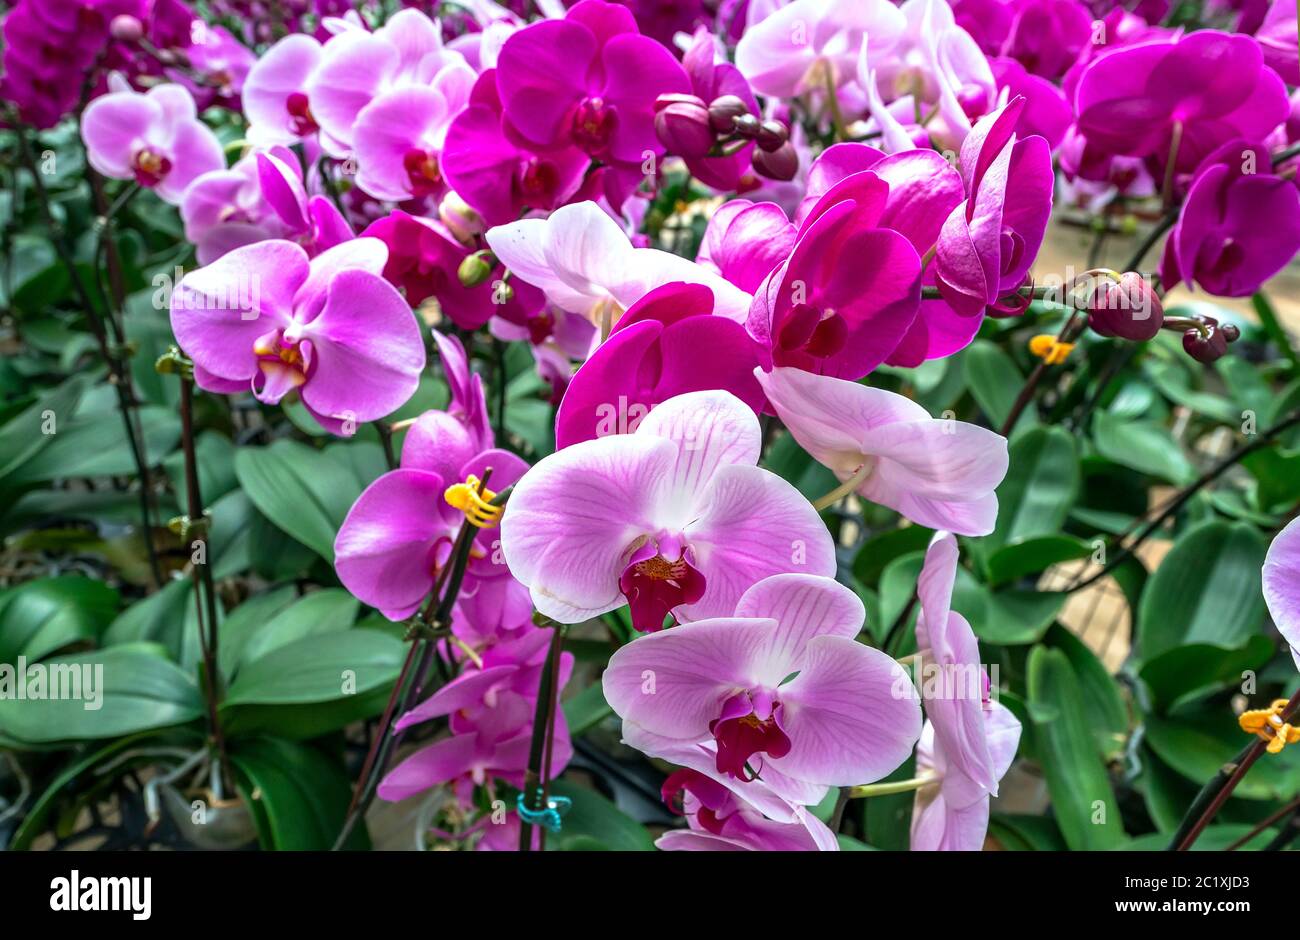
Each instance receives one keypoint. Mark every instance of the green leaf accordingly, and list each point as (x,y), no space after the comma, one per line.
(302,796)
(1018,833)
(24,435)
(1186,673)
(879,550)
(592,817)
(1082,799)
(1206,590)
(318,668)
(995,382)
(796,466)
(1033,555)
(1104,707)
(1040,487)
(1142,446)
(301,490)
(48,614)
(586,709)
(135,687)
(94,444)
(320,612)
(215,457)
(168,617)
(1174,379)
(244,622)
(1200,741)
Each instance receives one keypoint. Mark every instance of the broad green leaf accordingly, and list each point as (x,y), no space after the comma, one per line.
(320,612)
(246,620)
(1200,741)
(94,444)
(48,614)
(595,818)
(140,689)
(586,709)
(1185,673)
(1040,487)
(879,550)
(1104,707)
(24,435)
(995,381)
(1083,802)
(1034,555)
(301,795)
(1206,590)
(1142,446)
(1019,833)
(318,668)
(301,490)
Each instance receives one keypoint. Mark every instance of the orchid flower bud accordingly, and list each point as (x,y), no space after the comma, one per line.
(682,125)
(780,164)
(1127,308)
(724,110)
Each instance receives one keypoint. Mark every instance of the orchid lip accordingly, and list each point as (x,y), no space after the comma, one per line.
(150,167)
(660,576)
(749,724)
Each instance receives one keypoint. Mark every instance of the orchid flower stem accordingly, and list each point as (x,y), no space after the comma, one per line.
(845,488)
(1073,327)
(386,440)
(1175,141)
(205,593)
(891,635)
(1215,793)
(119,373)
(406,690)
(1153,236)
(833,102)
(1292,807)
(537,777)
(891,787)
(1284,155)
(1181,498)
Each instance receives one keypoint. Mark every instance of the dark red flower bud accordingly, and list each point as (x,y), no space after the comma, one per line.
(746,125)
(1206,345)
(780,164)
(682,125)
(1127,308)
(771,135)
(723,112)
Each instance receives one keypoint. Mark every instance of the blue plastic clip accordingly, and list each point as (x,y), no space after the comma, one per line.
(550,817)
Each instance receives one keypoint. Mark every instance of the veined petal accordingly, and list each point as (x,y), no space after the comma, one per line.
(752,524)
(851,714)
(1282,585)
(572,519)
(805,606)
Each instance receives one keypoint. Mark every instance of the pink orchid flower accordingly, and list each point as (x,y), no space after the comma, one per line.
(266,317)
(398,535)
(810,43)
(780,685)
(586,264)
(939,473)
(674,517)
(745,240)
(275,92)
(1282,585)
(154,138)
(969,741)
(357,68)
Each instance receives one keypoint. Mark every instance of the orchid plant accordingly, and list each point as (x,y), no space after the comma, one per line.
(869,423)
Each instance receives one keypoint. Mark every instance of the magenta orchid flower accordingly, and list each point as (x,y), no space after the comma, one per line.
(423,260)
(745,240)
(848,715)
(1236,229)
(672,518)
(265,317)
(1282,585)
(1047,35)
(938,473)
(488,166)
(809,44)
(398,535)
(969,741)
(923,191)
(1212,86)
(725,813)
(589,80)
(989,242)
(1275,35)
(154,138)
(668,343)
(586,264)
(850,289)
